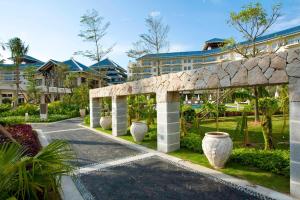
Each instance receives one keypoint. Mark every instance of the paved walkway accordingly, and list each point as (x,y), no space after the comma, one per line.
(108,169)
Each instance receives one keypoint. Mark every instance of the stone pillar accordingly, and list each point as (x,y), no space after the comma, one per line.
(119,115)
(78,81)
(293,70)
(294,90)
(95,112)
(168,127)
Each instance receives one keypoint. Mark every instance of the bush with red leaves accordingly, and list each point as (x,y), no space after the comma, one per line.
(24,134)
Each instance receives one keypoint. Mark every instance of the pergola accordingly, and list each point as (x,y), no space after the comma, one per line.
(270,69)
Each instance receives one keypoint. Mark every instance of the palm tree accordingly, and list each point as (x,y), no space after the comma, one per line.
(37,177)
(18,50)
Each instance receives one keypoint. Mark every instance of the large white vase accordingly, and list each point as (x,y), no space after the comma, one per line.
(105,122)
(217,147)
(82,112)
(138,131)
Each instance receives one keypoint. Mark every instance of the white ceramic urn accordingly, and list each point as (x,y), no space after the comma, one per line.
(105,122)
(217,147)
(82,112)
(138,131)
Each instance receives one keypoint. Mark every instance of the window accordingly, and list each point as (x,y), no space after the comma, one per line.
(147,70)
(38,82)
(293,41)
(146,63)
(189,67)
(177,61)
(166,62)
(198,60)
(154,69)
(187,60)
(210,59)
(185,68)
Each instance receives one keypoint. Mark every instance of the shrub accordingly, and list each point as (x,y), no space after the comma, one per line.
(11,120)
(276,161)
(4,107)
(58,107)
(21,110)
(192,142)
(6,101)
(188,113)
(87,120)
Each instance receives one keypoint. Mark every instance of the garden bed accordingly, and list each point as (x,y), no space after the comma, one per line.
(24,135)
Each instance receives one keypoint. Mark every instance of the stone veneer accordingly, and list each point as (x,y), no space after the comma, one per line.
(279,68)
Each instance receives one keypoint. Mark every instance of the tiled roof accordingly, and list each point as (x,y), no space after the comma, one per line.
(214,40)
(22,66)
(285,32)
(107,63)
(72,65)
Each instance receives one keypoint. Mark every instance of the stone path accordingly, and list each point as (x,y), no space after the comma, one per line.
(108,169)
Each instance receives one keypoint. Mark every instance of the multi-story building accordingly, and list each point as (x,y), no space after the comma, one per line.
(213,51)
(50,78)
(115,73)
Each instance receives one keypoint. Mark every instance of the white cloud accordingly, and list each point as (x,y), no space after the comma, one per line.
(178,47)
(284,23)
(154,13)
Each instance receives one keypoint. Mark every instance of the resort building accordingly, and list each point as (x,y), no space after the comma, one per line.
(115,73)
(54,78)
(212,52)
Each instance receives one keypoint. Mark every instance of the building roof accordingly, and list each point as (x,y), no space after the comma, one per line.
(29,59)
(270,36)
(215,40)
(22,66)
(107,63)
(72,65)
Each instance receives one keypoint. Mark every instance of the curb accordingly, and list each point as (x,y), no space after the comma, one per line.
(68,189)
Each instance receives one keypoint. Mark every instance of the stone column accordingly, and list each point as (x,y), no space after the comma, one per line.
(52,97)
(293,70)
(43,99)
(168,128)
(119,115)
(95,112)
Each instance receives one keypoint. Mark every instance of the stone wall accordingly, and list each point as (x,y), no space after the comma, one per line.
(264,70)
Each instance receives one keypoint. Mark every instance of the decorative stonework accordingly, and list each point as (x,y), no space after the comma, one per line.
(267,69)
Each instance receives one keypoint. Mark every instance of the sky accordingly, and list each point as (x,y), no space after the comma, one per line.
(51,27)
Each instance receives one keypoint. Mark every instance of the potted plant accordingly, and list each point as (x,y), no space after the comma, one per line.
(217,146)
(105,119)
(138,129)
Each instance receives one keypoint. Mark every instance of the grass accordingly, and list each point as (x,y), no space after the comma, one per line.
(251,174)
(228,124)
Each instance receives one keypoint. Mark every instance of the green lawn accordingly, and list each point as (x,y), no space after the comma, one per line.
(251,174)
(228,124)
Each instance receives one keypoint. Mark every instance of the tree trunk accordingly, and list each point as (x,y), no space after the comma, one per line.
(7,134)
(17,84)
(267,132)
(256,112)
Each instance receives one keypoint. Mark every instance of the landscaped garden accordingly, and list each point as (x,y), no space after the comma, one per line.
(260,153)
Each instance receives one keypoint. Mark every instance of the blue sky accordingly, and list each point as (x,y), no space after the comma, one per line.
(50,27)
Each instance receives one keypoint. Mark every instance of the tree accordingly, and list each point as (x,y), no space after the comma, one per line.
(268,106)
(18,50)
(154,41)
(81,95)
(252,22)
(33,90)
(93,30)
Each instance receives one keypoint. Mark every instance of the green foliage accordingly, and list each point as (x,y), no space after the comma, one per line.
(11,120)
(33,91)
(241,95)
(213,109)
(6,101)
(81,95)
(87,120)
(276,161)
(268,106)
(252,22)
(106,107)
(63,108)
(192,142)
(21,110)
(188,113)
(4,107)
(25,177)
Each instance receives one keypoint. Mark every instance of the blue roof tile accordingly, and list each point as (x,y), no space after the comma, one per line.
(285,32)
